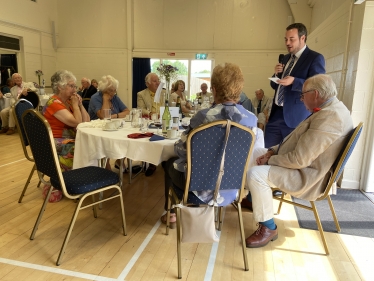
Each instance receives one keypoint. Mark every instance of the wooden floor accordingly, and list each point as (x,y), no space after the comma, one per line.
(98,250)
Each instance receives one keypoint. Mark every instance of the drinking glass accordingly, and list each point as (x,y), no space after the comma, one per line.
(158,125)
(185,123)
(107,114)
(143,124)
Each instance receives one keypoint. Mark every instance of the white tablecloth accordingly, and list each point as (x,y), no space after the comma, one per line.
(92,144)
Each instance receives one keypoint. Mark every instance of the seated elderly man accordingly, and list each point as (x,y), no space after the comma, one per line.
(87,90)
(147,103)
(300,165)
(204,94)
(20,89)
(262,104)
(227,83)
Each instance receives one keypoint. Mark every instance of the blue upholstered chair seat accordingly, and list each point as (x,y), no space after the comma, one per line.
(228,195)
(83,180)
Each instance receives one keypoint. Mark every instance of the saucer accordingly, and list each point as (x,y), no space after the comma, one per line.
(110,129)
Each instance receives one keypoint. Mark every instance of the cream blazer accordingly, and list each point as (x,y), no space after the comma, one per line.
(302,166)
(14,91)
(144,100)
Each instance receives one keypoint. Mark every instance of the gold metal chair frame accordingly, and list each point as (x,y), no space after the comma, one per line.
(81,197)
(326,194)
(28,157)
(173,197)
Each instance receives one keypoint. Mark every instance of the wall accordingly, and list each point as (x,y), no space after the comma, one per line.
(249,33)
(92,40)
(31,23)
(337,34)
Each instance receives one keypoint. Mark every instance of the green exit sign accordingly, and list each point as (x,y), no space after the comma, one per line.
(201,56)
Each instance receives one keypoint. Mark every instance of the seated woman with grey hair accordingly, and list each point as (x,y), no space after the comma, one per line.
(107,98)
(64,111)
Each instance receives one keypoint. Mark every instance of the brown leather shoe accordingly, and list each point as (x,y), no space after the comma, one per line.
(4,130)
(10,131)
(261,237)
(247,204)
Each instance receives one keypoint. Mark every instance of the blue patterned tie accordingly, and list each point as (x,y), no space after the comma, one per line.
(286,73)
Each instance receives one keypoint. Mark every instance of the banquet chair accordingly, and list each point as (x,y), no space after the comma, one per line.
(33,98)
(204,151)
(21,106)
(74,184)
(336,170)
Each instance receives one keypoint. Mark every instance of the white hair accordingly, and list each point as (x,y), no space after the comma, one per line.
(148,77)
(106,82)
(324,84)
(86,79)
(61,79)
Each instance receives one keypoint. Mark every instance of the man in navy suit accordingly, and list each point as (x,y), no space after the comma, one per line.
(299,64)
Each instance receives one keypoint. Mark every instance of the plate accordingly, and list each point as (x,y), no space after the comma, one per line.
(172,138)
(110,129)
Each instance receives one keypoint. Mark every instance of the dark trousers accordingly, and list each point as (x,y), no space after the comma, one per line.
(276,129)
(172,177)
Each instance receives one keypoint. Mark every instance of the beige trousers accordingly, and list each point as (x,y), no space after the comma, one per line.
(260,188)
(7,118)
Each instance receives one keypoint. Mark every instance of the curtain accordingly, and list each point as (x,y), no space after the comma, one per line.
(140,68)
(7,61)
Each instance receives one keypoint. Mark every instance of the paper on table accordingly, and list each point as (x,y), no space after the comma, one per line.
(274,79)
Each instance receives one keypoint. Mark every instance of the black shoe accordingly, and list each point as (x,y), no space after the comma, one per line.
(151,169)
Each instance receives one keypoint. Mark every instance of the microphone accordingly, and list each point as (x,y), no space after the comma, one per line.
(280,60)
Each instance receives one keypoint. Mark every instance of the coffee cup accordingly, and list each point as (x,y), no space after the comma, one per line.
(171,134)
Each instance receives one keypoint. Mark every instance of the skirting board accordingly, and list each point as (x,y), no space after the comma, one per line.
(349,184)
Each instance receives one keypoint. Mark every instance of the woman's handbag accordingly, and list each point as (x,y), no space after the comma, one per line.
(198,223)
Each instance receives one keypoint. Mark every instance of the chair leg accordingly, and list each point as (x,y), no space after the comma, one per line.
(27,183)
(280,204)
(122,213)
(320,229)
(168,213)
(94,206)
(244,247)
(41,213)
(179,254)
(70,229)
(220,215)
(333,213)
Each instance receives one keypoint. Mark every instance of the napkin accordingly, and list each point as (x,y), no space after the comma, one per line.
(156,138)
(140,135)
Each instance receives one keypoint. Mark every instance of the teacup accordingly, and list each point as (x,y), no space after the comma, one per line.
(171,134)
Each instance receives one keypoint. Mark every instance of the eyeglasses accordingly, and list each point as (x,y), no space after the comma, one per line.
(303,93)
(73,86)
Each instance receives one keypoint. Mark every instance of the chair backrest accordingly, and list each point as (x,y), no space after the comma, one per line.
(341,160)
(41,141)
(205,146)
(18,109)
(33,98)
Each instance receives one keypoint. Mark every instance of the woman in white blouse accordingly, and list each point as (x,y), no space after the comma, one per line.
(179,87)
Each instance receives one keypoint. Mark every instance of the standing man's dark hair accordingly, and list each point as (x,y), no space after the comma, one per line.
(301,29)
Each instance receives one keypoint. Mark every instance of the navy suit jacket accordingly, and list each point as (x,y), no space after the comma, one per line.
(309,64)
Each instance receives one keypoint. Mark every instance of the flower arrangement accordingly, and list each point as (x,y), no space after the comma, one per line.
(167,71)
(39,73)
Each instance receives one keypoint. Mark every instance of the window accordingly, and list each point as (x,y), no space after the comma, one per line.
(192,72)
